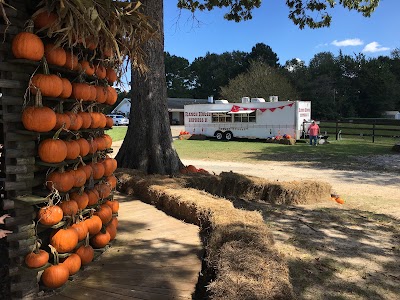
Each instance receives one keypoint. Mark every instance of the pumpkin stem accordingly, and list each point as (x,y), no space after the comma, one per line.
(29,26)
(56,135)
(87,240)
(45,66)
(38,99)
(55,255)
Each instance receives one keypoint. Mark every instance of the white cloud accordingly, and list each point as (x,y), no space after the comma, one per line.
(348,42)
(321,45)
(374,47)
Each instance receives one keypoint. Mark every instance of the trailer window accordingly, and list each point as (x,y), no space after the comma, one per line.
(245,118)
(221,118)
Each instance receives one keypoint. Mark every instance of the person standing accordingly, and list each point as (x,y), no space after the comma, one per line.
(313,131)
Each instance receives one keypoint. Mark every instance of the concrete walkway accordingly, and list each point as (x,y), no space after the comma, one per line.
(154,256)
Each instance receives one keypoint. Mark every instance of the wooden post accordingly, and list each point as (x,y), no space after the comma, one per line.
(373,132)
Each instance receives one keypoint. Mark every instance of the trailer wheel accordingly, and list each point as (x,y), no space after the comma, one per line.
(228,136)
(219,135)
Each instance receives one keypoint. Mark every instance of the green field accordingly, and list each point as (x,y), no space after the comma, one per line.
(117,133)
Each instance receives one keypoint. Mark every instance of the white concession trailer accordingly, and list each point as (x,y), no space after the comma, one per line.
(252,120)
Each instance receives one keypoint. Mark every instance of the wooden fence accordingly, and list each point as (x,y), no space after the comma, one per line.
(371,128)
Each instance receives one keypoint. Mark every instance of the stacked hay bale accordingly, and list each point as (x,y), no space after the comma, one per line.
(241,261)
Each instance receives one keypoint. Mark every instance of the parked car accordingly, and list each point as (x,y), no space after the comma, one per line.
(119,120)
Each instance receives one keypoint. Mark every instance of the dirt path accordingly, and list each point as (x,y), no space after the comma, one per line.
(372,191)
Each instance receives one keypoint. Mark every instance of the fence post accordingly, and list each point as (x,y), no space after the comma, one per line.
(373,132)
(337,131)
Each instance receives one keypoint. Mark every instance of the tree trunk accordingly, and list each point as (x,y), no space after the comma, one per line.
(148,142)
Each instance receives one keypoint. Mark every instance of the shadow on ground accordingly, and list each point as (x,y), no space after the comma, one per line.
(335,253)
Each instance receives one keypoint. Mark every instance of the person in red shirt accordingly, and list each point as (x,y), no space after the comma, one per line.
(313,131)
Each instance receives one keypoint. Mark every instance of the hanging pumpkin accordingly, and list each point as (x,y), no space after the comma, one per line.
(28,46)
(44,19)
(114,205)
(67,88)
(112,96)
(80,177)
(64,240)
(73,149)
(110,122)
(87,169)
(101,94)
(90,43)
(50,215)
(112,231)
(81,229)
(76,120)
(55,55)
(50,85)
(73,263)
(100,71)
(104,190)
(111,75)
(56,275)
(62,120)
(114,221)
(98,170)
(112,181)
(92,146)
(86,119)
(85,252)
(52,150)
(38,117)
(61,180)
(100,240)
(81,198)
(103,120)
(101,145)
(84,146)
(104,213)
(81,91)
(94,197)
(87,67)
(108,140)
(93,93)
(37,258)
(108,166)
(94,225)
(95,120)
(69,207)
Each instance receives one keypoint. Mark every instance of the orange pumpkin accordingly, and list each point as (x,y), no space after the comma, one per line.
(108,140)
(114,205)
(87,67)
(50,215)
(55,55)
(61,180)
(104,213)
(39,118)
(104,190)
(191,169)
(37,259)
(101,145)
(64,240)
(82,199)
(98,170)
(86,253)
(101,94)
(67,88)
(50,85)
(84,146)
(108,166)
(111,75)
(73,263)
(52,150)
(81,229)
(88,170)
(62,119)
(81,91)
(93,93)
(102,120)
(86,119)
(100,240)
(100,71)
(94,225)
(92,146)
(112,231)
(80,177)
(339,200)
(55,276)
(76,120)
(110,122)
(28,46)
(69,207)
(73,149)
(93,196)
(114,221)
(44,19)
(112,181)
(112,96)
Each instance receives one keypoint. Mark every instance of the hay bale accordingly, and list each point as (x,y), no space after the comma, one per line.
(233,185)
(241,260)
(287,141)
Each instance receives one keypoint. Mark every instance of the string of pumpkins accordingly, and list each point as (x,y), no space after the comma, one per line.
(100,226)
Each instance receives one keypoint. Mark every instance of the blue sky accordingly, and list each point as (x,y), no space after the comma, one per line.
(349,31)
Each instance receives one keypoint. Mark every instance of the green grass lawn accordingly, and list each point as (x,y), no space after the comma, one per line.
(117,133)
(334,154)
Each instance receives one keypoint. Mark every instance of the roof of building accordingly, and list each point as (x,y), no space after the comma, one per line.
(179,103)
